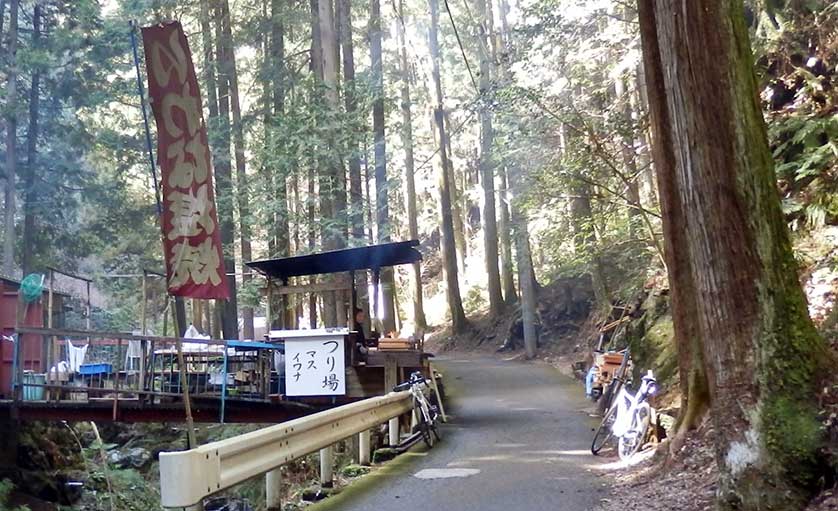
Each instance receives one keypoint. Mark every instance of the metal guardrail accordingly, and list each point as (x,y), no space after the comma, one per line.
(187,477)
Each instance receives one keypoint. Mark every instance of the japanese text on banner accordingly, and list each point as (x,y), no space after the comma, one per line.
(191,239)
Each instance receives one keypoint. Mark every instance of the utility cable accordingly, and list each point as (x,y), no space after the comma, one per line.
(460,44)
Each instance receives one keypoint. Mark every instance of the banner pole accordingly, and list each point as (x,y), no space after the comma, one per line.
(141,92)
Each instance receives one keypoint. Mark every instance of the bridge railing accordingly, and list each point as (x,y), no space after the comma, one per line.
(187,477)
(79,365)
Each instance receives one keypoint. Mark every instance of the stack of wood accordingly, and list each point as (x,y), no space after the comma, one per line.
(390,344)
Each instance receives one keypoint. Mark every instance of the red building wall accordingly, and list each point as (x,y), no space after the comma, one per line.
(32,345)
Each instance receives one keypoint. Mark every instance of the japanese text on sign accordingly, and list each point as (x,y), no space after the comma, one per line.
(194,259)
(315,367)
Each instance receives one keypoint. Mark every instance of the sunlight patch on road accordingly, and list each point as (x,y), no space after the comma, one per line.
(445,473)
(479,459)
(618,464)
(578,452)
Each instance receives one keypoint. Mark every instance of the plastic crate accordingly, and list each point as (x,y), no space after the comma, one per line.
(31,392)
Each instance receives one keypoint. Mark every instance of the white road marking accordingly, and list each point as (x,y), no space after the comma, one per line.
(445,473)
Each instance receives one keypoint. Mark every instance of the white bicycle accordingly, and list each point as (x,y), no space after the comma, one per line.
(628,419)
(426,413)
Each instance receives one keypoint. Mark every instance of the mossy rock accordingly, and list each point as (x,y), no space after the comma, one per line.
(384,454)
(354,470)
(655,349)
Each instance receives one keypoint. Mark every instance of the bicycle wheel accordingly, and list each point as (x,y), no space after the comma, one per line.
(603,433)
(634,439)
(422,425)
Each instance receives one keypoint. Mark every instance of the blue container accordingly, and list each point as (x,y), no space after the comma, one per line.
(95,369)
(30,392)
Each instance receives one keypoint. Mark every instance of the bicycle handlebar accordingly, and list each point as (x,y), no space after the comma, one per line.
(415,378)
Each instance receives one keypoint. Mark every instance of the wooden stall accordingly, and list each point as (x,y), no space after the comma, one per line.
(373,365)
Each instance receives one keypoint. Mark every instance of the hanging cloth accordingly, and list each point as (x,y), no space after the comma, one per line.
(76,355)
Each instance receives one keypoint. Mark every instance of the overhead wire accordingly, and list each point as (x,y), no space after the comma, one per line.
(460,44)
(470,108)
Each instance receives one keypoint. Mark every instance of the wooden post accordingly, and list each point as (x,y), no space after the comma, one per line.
(353,300)
(55,348)
(438,395)
(143,331)
(184,387)
(19,356)
(166,318)
(119,361)
(269,309)
(88,310)
(376,279)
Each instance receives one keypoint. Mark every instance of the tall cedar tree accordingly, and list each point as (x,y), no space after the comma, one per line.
(329,164)
(459,324)
(500,49)
(487,166)
(382,211)
(316,69)
(356,205)
(232,75)
(355,210)
(409,170)
(11,143)
(29,193)
(760,350)
(224,173)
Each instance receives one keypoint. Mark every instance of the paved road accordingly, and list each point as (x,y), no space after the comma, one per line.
(518,440)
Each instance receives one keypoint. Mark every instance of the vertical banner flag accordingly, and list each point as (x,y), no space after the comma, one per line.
(191,239)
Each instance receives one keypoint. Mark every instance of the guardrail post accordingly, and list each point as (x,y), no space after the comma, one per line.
(391,379)
(273,495)
(326,466)
(393,431)
(364,447)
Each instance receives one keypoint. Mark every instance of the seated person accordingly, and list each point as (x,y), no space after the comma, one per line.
(358,326)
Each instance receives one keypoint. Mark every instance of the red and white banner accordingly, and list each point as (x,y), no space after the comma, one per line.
(191,238)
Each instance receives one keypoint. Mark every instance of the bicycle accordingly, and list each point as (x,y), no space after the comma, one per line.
(426,414)
(618,380)
(628,419)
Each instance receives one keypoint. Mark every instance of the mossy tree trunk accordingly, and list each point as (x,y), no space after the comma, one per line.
(695,399)
(759,347)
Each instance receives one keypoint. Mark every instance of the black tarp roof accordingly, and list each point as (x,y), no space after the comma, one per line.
(336,261)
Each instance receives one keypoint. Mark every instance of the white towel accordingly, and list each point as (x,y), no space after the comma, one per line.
(76,355)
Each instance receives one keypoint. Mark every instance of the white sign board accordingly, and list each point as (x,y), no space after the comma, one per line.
(315,366)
